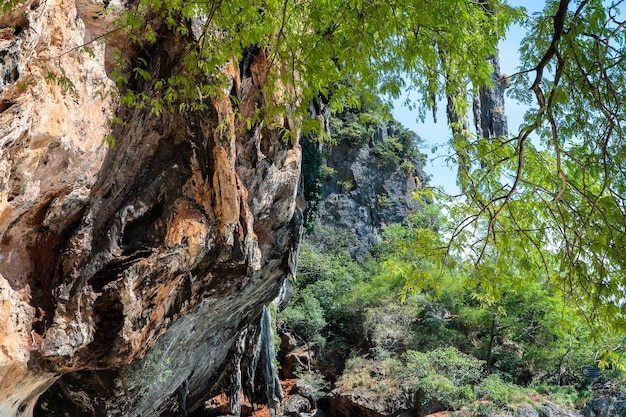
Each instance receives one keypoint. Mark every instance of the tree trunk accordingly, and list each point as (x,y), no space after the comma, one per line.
(493,333)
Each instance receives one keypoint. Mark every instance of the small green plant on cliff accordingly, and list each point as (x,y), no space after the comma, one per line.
(389,151)
(327,172)
(345,185)
(408,167)
(155,370)
(346,128)
(382,200)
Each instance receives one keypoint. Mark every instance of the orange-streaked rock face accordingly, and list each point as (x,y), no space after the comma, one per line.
(175,238)
(51,131)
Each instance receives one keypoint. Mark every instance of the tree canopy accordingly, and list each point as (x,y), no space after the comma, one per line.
(331,50)
(551,197)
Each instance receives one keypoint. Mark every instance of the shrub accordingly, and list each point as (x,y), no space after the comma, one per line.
(565,395)
(443,391)
(345,185)
(494,389)
(379,377)
(388,327)
(444,376)
(349,130)
(407,166)
(389,151)
(327,172)
(459,368)
(305,317)
(357,374)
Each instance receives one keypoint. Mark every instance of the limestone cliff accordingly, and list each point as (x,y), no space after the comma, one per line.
(369,179)
(132,279)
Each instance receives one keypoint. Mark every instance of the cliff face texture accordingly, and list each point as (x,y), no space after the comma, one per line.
(366,193)
(132,279)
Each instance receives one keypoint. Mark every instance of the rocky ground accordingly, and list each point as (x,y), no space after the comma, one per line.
(304,397)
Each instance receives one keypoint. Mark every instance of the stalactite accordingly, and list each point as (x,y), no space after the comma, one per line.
(255,347)
(250,360)
(182,398)
(235,386)
(273,389)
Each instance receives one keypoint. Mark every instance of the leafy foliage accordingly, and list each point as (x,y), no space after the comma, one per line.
(500,392)
(326,274)
(331,49)
(550,198)
(455,337)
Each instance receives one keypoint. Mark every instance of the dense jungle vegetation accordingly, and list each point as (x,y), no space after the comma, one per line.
(413,316)
(450,338)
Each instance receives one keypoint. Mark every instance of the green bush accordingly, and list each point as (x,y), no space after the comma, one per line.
(458,367)
(443,375)
(443,391)
(378,377)
(319,313)
(389,151)
(305,317)
(327,172)
(566,395)
(388,327)
(494,389)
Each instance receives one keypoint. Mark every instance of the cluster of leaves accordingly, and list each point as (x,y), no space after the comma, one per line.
(397,150)
(444,375)
(313,48)
(553,194)
(319,312)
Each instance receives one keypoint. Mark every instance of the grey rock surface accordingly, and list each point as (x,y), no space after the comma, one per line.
(296,404)
(610,404)
(542,409)
(10,55)
(364,194)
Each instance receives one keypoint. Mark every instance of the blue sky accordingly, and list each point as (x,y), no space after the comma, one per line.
(437,135)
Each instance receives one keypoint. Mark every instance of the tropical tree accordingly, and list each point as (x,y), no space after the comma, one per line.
(551,197)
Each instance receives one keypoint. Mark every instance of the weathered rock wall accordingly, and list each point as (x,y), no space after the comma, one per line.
(606,403)
(364,194)
(127,275)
